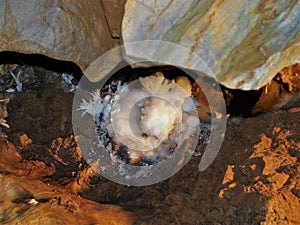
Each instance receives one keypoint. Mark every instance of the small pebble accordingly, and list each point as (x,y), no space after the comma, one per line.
(32,202)
(294,109)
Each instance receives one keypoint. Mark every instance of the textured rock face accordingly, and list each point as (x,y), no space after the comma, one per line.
(54,204)
(70,30)
(243,43)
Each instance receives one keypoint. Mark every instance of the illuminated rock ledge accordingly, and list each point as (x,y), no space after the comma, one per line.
(244,43)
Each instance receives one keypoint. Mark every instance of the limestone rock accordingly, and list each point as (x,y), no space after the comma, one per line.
(71,30)
(113,10)
(243,44)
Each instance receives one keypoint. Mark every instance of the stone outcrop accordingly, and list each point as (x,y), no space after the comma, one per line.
(243,44)
(72,30)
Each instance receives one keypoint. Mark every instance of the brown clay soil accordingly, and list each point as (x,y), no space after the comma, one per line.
(255,179)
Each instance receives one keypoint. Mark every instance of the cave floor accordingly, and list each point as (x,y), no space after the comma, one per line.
(255,178)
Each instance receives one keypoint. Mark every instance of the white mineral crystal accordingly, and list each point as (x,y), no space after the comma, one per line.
(93,107)
(148,117)
(158,118)
(3,112)
(68,79)
(17,81)
(3,122)
(32,202)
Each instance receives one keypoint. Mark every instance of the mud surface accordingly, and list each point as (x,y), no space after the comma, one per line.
(255,178)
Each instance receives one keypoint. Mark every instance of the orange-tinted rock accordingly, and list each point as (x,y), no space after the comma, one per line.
(53,205)
(12,162)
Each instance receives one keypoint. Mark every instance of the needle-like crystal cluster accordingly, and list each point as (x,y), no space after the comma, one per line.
(143,121)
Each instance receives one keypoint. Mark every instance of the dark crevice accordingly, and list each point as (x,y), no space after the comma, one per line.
(43,61)
(242,101)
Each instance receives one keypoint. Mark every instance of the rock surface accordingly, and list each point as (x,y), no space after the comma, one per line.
(282,92)
(30,201)
(72,30)
(242,44)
